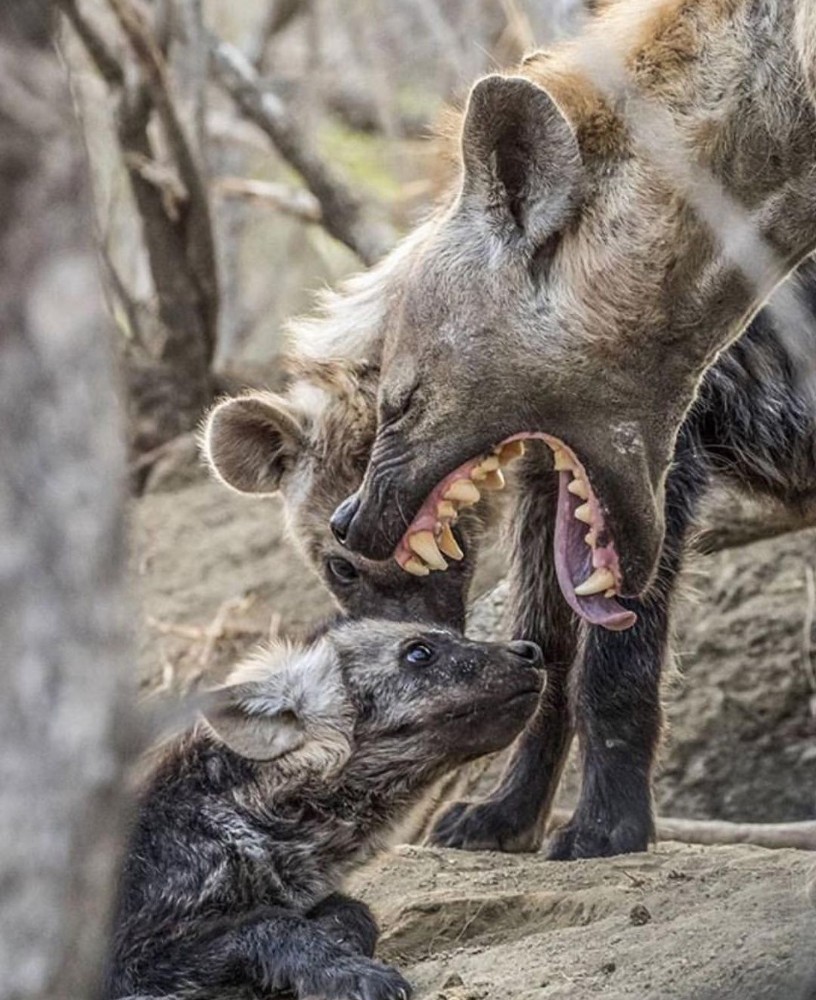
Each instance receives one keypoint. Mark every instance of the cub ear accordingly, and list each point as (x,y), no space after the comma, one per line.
(284,700)
(255,722)
(520,156)
(251,441)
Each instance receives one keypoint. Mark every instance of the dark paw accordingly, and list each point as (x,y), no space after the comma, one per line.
(358,978)
(349,923)
(493,825)
(581,840)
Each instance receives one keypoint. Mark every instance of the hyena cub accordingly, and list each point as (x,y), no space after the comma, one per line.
(312,444)
(302,763)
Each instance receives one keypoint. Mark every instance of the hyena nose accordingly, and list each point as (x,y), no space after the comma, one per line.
(342,517)
(527,651)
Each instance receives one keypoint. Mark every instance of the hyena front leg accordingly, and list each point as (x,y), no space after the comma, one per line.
(617,697)
(272,951)
(513,816)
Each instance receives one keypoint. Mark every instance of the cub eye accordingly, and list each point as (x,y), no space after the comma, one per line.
(419,653)
(341,569)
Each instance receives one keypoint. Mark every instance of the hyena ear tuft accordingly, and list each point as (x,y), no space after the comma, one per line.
(521,158)
(251,441)
(285,701)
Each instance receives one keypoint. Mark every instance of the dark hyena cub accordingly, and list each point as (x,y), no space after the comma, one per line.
(305,760)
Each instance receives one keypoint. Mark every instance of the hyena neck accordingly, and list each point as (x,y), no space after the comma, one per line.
(709,136)
(362,807)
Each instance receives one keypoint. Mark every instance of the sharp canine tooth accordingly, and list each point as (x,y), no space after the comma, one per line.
(448,544)
(416,567)
(596,583)
(493,481)
(464,491)
(445,510)
(583,513)
(424,545)
(510,451)
(579,488)
(561,461)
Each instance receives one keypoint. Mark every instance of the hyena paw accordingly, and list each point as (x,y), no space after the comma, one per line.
(359,978)
(580,839)
(493,825)
(349,924)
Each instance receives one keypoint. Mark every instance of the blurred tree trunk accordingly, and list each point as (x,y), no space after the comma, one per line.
(66,731)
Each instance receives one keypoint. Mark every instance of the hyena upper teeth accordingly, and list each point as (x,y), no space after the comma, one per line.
(448,544)
(493,481)
(591,537)
(445,510)
(561,461)
(579,488)
(416,567)
(510,451)
(599,581)
(464,491)
(583,513)
(424,545)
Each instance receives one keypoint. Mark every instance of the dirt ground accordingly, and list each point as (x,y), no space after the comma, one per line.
(215,573)
(689,923)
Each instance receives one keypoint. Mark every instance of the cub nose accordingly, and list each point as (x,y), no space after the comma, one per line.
(527,651)
(342,517)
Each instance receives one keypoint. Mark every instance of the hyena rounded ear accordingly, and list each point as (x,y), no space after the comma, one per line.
(251,441)
(521,159)
(284,700)
(253,725)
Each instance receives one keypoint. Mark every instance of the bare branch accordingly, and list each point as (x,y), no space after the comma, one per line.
(199,242)
(345,214)
(714,831)
(289,200)
(280,15)
(774,835)
(106,63)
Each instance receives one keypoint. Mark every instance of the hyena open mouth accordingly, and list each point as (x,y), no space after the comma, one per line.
(586,560)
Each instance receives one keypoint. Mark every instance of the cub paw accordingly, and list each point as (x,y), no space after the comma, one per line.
(492,825)
(360,978)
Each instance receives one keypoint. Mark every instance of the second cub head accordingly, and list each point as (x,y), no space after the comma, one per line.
(312,445)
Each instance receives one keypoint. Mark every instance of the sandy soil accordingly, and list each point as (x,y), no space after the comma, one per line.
(689,923)
(215,573)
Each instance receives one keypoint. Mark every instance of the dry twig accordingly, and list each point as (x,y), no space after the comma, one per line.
(345,215)
(286,199)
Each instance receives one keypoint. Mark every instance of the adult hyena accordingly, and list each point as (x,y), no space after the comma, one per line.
(753,422)
(572,291)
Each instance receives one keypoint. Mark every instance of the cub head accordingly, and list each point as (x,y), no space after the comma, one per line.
(390,703)
(311,445)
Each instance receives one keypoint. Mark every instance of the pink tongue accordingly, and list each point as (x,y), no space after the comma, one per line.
(573,564)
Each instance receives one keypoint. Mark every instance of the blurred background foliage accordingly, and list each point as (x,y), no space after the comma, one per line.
(360,85)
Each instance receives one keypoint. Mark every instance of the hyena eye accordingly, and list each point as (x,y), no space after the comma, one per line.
(419,653)
(341,569)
